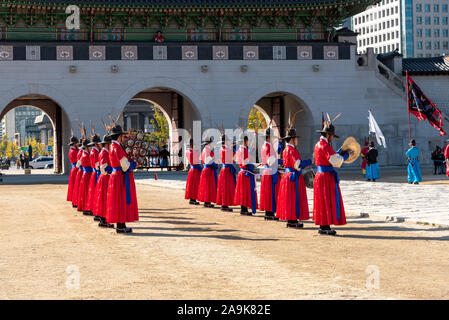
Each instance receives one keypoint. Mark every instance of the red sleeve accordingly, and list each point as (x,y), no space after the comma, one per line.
(446,152)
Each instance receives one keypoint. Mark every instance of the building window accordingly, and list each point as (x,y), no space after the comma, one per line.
(436,33)
(419,7)
(445,45)
(419,33)
(436,45)
(444,33)
(420,55)
(397,22)
(392,35)
(436,8)
(419,45)
(444,20)
(388,24)
(427,7)
(436,20)
(444,8)
(396,9)
(428,45)
(418,20)
(397,34)
(427,20)
(428,32)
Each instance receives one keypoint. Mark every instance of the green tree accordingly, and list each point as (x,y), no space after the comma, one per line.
(160,134)
(256,120)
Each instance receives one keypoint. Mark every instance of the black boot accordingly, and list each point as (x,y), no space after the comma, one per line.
(270,216)
(97,218)
(226,208)
(121,228)
(74,206)
(244,211)
(294,224)
(326,230)
(104,224)
(208,205)
(88,213)
(193,202)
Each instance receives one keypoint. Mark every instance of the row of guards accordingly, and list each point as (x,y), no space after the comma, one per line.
(101,182)
(283,194)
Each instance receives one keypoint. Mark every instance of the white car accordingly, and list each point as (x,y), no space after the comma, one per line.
(41,162)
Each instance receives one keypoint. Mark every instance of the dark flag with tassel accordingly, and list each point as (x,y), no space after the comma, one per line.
(422,107)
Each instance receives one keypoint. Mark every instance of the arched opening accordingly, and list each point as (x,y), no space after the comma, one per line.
(49,124)
(178,111)
(277,107)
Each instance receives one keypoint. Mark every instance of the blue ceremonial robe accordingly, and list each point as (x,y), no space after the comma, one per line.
(413,169)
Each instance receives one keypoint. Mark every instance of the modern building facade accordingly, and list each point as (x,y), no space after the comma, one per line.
(416,28)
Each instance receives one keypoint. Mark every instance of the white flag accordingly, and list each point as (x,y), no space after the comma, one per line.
(374,128)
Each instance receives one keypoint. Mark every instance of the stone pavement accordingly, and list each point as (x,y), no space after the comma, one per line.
(390,198)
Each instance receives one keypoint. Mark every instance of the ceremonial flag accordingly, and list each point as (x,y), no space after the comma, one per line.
(422,107)
(374,128)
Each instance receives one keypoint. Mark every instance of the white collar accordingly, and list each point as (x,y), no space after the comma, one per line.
(105,150)
(116,142)
(324,138)
(289,144)
(243,146)
(96,149)
(74,148)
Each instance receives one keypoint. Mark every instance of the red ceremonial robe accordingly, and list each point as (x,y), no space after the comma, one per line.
(118,211)
(83,193)
(242,195)
(363,154)
(132,209)
(269,160)
(73,156)
(94,154)
(207,191)
(79,175)
(287,190)
(101,189)
(226,182)
(193,178)
(324,189)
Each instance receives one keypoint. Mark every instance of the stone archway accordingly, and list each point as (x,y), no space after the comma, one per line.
(277,107)
(179,111)
(57,117)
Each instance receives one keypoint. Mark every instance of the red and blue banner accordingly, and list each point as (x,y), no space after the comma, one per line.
(422,107)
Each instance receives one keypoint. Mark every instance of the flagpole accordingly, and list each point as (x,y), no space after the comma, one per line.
(408,110)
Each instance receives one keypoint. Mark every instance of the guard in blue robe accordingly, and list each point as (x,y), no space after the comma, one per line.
(413,169)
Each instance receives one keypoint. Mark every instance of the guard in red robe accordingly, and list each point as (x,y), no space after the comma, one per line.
(95,164)
(293,203)
(73,156)
(193,177)
(227,177)
(207,191)
(88,171)
(101,189)
(269,187)
(245,190)
(328,208)
(121,199)
(363,154)
(79,174)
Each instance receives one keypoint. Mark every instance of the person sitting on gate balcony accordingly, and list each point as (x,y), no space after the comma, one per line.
(159,37)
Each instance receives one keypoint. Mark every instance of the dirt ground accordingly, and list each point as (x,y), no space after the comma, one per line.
(184,252)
